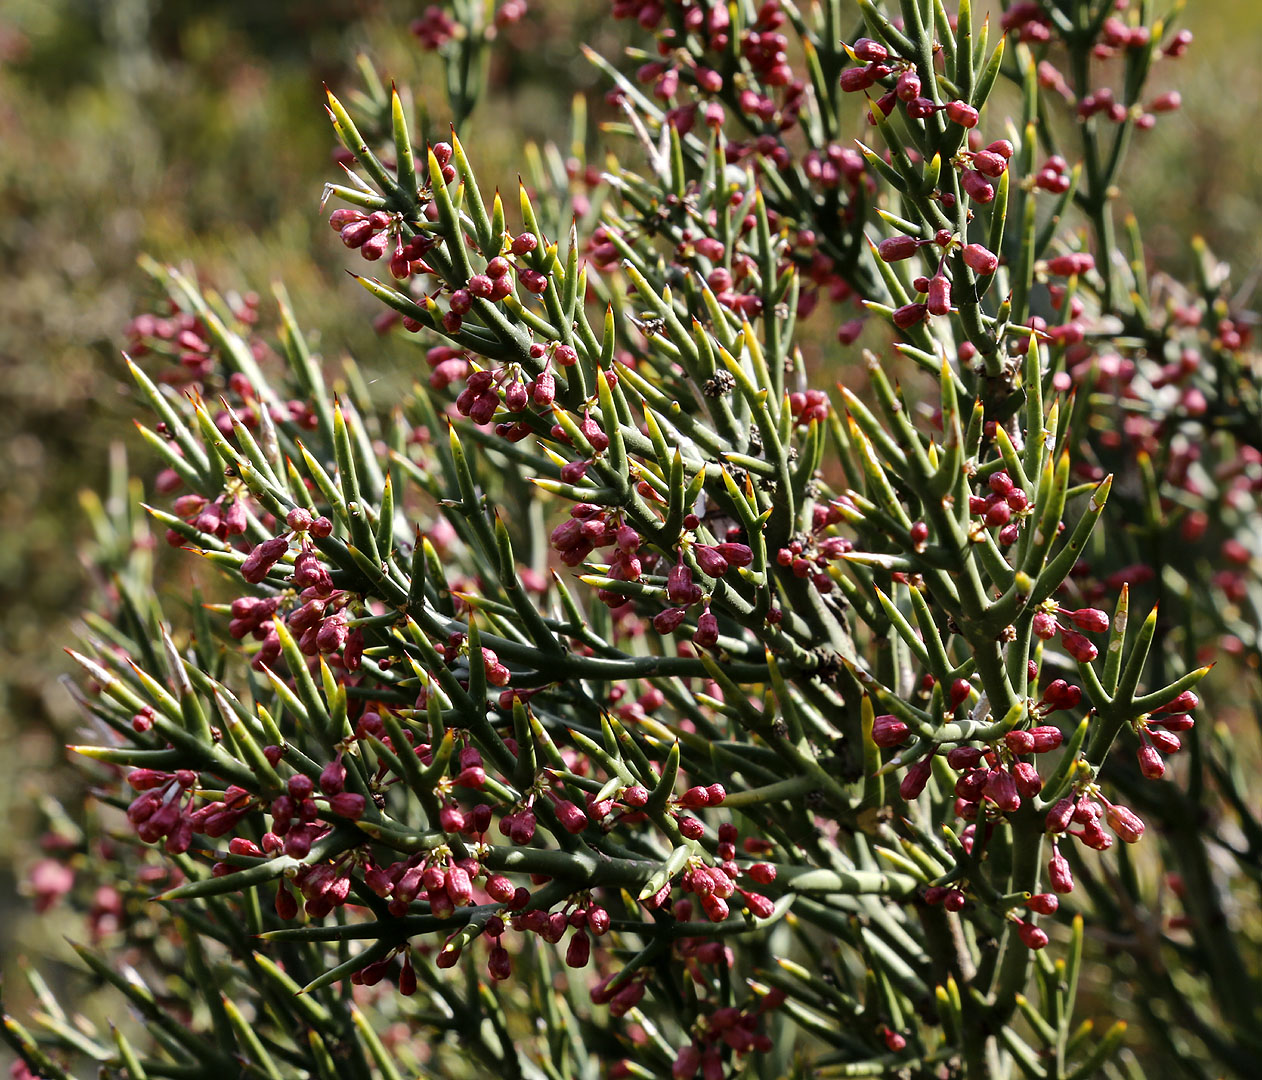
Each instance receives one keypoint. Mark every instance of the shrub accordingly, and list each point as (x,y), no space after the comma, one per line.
(616,701)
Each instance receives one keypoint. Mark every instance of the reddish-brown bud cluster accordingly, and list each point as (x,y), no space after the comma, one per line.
(1158,733)
(1046,626)
(1005,507)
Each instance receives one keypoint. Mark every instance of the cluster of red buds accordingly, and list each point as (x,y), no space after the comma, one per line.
(1159,733)
(374,234)
(223,517)
(1094,621)
(433,28)
(727,1029)
(463,745)
(1004,508)
(713,560)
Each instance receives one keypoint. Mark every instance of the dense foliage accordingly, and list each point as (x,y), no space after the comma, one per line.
(616,701)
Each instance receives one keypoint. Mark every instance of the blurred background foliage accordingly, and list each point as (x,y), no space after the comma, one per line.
(195,133)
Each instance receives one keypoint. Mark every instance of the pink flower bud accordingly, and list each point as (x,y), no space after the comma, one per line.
(1078,646)
(869,51)
(1059,874)
(1069,265)
(1126,823)
(332,634)
(262,558)
(980,259)
(962,113)
(459,887)
(1043,903)
(1027,779)
(896,248)
(908,85)
(1059,816)
(915,779)
(348,804)
(976,187)
(572,819)
(1092,620)
(691,828)
(909,315)
(667,622)
(939,302)
(1046,738)
(707,634)
(854,80)
(1031,936)
(1150,762)
(332,778)
(990,164)
(1001,789)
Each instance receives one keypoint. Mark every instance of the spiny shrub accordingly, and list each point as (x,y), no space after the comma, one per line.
(617,700)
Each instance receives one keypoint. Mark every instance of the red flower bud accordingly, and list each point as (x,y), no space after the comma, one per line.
(896,248)
(939,302)
(1031,936)
(1027,779)
(889,731)
(572,819)
(695,797)
(332,779)
(909,315)
(707,630)
(1078,646)
(964,757)
(980,259)
(915,779)
(869,51)
(711,560)
(1059,816)
(1126,823)
(962,113)
(1059,874)
(1092,620)
(1001,789)
(1043,903)
(1019,742)
(499,965)
(580,950)
(1046,738)
(348,804)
